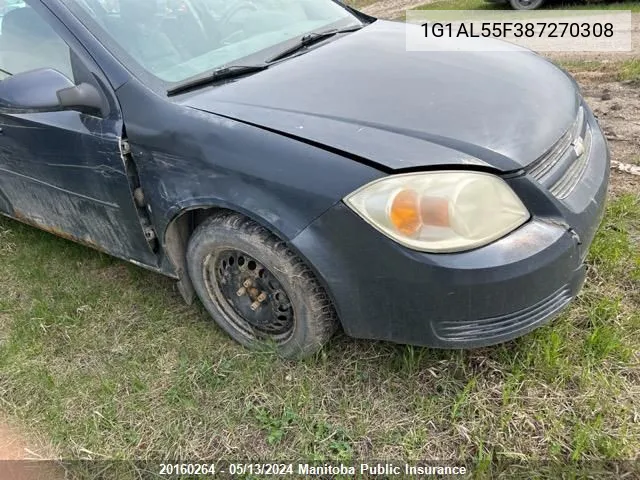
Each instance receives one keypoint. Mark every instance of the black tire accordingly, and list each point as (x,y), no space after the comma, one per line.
(526,4)
(213,245)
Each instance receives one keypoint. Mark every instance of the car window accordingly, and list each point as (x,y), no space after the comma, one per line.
(178,39)
(28,42)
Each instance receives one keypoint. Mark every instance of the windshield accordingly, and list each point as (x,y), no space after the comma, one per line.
(174,40)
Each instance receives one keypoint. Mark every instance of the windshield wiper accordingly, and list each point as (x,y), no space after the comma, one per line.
(222,73)
(310,39)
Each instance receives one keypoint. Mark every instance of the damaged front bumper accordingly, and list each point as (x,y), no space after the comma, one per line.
(384,291)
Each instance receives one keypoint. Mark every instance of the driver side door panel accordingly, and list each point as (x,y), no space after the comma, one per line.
(63,171)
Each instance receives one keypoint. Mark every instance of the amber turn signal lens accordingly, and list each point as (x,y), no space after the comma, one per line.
(405,212)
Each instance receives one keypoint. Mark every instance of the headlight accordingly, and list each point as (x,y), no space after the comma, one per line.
(440,211)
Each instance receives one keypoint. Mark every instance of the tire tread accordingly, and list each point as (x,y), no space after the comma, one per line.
(323,321)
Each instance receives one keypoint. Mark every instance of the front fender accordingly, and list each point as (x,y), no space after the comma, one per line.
(190,159)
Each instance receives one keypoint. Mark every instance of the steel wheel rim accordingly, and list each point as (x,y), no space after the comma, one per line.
(238,283)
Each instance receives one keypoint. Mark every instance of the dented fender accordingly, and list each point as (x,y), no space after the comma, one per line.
(189,160)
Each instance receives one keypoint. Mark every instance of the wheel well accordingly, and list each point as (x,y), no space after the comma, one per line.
(176,239)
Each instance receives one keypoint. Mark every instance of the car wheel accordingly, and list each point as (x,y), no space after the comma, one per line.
(526,4)
(257,289)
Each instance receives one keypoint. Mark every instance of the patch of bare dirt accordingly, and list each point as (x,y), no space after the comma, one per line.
(12,447)
(20,460)
(391,9)
(617,107)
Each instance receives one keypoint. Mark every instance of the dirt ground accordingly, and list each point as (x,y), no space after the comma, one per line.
(391,8)
(12,446)
(617,106)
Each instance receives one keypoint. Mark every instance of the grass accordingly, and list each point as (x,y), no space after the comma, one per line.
(630,70)
(632,5)
(104,359)
(622,71)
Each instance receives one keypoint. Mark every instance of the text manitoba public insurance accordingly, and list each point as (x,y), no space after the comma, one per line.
(380,469)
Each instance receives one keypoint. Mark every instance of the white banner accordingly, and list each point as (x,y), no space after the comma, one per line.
(538,30)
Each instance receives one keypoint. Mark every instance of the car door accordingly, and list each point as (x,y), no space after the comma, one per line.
(65,171)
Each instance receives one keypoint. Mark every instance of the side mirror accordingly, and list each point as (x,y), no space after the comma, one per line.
(83,97)
(47,90)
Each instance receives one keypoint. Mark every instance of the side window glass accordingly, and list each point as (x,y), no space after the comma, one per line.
(27,43)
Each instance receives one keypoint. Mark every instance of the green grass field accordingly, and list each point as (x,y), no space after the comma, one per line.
(105,360)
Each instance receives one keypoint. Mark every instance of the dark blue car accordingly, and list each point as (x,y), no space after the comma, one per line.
(292,165)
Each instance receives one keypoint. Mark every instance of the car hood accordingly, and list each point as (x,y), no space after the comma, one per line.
(366,96)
